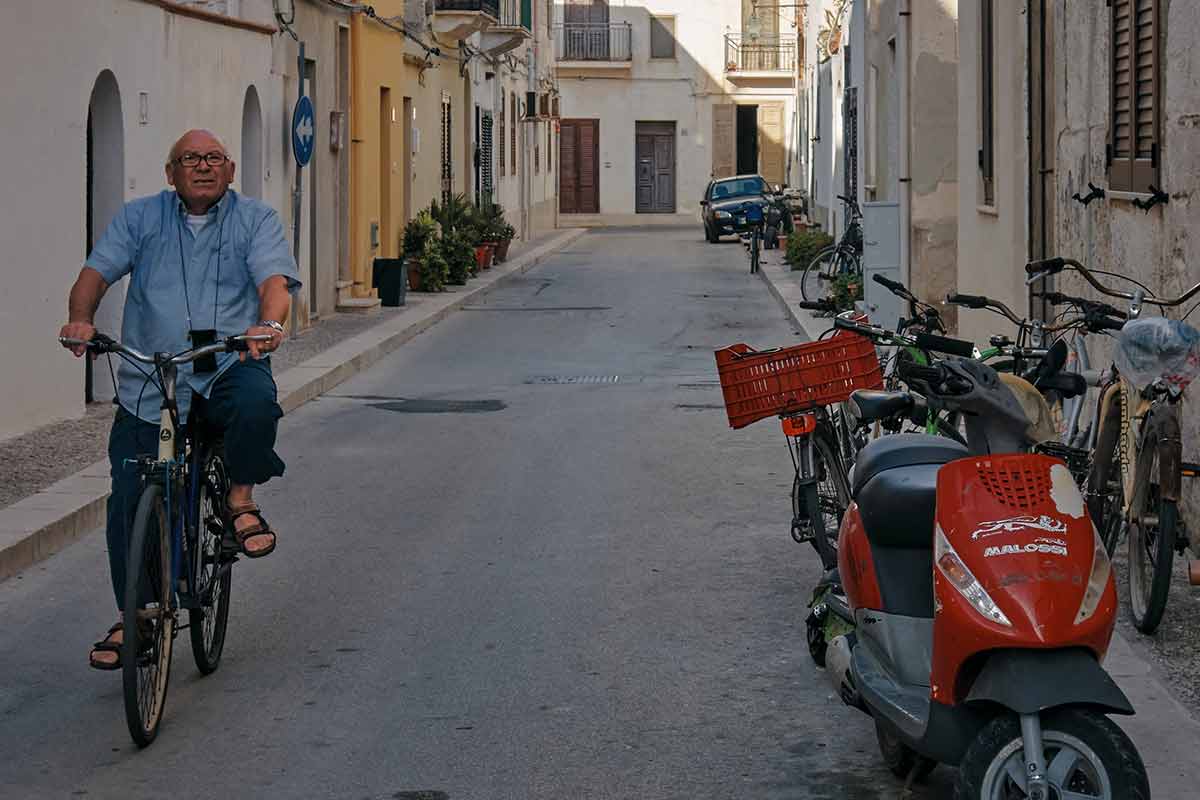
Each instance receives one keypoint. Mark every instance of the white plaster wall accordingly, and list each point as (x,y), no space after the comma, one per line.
(194,74)
(992,240)
(682,90)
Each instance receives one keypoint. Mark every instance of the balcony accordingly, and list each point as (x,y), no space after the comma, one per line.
(458,19)
(593,47)
(512,30)
(763,58)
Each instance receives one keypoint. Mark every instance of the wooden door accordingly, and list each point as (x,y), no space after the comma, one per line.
(655,190)
(578,166)
(724,139)
(771,147)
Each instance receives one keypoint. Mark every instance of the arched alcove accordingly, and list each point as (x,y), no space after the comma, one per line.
(251,166)
(105,196)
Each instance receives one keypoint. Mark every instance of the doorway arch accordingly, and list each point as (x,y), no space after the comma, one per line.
(251,167)
(105,196)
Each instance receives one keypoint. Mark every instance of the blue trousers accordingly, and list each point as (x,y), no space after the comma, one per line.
(242,403)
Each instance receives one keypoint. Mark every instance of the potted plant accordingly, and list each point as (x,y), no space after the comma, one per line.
(474,229)
(500,232)
(458,254)
(431,268)
(419,231)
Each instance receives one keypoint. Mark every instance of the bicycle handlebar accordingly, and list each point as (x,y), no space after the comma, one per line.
(980,301)
(105,344)
(817,305)
(1050,266)
(895,287)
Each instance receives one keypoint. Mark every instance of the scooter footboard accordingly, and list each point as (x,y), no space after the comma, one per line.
(1031,681)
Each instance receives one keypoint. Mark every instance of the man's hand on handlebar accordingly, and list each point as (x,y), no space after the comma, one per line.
(82,331)
(260,349)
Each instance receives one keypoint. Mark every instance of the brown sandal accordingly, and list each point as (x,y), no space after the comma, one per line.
(263,528)
(107,645)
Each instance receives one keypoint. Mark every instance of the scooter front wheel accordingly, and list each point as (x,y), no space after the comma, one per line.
(1086,755)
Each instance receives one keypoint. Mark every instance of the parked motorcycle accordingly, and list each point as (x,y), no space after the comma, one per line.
(974,601)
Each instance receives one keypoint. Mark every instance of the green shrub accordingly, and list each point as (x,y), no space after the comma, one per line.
(459,254)
(846,289)
(434,269)
(803,247)
(419,230)
(454,213)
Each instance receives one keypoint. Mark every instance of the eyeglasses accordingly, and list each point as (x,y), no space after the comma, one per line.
(192,160)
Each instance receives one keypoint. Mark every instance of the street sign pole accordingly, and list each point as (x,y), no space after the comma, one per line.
(298,191)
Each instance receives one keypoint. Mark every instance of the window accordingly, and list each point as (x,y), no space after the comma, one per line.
(537,154)
(512,107)
(487,185)
(662,37)
(1135,60)
(987,111)
(500,136)
(447,150)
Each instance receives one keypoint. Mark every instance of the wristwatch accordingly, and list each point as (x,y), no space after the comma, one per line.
(272,324)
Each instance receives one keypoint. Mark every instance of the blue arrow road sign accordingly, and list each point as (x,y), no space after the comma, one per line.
(303,130)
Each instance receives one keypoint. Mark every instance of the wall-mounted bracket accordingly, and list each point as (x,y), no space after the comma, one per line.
(1094,193)
(1157,196)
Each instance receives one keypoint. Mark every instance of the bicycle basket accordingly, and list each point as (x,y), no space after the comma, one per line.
(787,380)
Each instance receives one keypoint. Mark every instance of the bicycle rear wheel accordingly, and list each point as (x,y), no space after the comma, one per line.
(149,617)
(811,288)
(208,623)
(1152,530)
(818,507)
(754,250)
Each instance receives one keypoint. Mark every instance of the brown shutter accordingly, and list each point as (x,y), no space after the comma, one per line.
(503,151)
(589,155)
(724,115)
(568,168)
(1133,146)
(770,142)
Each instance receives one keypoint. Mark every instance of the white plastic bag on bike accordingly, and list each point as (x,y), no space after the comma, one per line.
(1156,347)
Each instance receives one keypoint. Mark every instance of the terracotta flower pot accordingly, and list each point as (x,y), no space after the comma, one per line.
(491,256)
(414,274)
(502,250)
(480,256)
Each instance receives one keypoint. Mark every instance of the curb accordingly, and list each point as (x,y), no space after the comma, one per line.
(37,527)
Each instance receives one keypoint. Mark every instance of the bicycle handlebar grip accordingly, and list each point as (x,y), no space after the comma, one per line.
(933,374)
(817,305)
(968,300)
(856,327)
(887,283)
(944,344)
(1055,298)
(1105,323)
(1046,265)
(1109,311)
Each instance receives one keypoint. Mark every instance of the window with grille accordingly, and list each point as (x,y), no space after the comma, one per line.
(500,135)
(486,186)
(662,37)
(537,149)
(850,149)
(1135,60)
(987,105)
(447,151)
(512,121)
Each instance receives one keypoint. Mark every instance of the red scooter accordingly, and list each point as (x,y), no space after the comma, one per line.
(974,602)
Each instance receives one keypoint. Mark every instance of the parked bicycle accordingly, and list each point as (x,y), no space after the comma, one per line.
(844,257)
(181,547)
(1139,438)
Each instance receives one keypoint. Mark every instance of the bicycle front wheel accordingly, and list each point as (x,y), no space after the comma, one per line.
(149,617)
(1151,546)
(207,623)
(754,250)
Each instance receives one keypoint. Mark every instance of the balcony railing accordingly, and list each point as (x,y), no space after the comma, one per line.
(489,7)
(593,41)
(765,53)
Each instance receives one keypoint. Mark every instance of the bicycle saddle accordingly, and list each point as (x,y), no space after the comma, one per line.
(869,405)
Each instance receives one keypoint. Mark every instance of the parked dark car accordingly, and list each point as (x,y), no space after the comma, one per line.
(726,197)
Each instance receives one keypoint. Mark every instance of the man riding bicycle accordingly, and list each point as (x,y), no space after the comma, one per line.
(204,262)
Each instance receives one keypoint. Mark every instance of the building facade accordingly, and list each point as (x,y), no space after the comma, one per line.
(663,95)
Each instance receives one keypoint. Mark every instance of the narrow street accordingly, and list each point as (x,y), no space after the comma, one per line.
(523,557)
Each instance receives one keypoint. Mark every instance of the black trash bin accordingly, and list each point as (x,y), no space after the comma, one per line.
(389,276)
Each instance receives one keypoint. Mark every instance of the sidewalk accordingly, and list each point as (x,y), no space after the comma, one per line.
(1165,732)
(43,522)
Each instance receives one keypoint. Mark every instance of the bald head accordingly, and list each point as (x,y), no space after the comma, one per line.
(202,185)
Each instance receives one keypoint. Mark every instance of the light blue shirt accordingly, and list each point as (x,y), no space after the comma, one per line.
(181,281)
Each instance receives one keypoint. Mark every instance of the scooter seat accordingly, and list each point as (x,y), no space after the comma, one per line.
(902,450)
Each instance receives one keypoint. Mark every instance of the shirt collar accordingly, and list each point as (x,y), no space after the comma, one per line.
(218,208)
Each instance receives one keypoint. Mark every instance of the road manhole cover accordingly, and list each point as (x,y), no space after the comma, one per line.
(429,406)
(573,379)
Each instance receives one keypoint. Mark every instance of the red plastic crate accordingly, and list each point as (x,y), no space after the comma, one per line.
(761,384)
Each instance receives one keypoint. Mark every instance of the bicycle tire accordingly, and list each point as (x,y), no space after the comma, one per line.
(823,253)
(207,624)
(146,650)
(1151,547)
(829,495)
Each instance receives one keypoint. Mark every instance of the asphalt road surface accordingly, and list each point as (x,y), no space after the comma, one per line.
(523,557)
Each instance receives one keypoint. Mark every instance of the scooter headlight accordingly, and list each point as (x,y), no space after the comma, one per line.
(954,570)
(1097,581)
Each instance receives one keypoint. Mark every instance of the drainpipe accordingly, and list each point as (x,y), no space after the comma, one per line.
(903,38)
(359,287)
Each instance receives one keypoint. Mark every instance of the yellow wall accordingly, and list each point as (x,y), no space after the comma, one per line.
(377,188)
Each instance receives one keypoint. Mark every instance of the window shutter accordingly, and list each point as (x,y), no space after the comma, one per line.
(1133,143)
(724,116)
(662,37)
(500,131)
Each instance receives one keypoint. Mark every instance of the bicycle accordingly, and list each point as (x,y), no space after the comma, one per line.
(1138,434)
(751,213)
(179,555)
(841,258)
